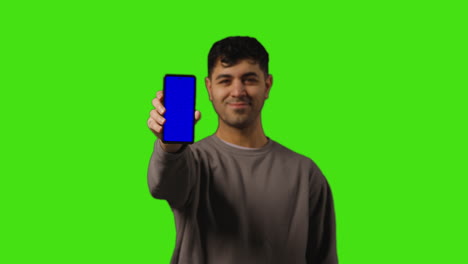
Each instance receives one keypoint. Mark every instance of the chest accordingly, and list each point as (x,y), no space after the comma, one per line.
(254,188)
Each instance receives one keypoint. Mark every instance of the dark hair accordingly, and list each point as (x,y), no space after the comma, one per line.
(232,49)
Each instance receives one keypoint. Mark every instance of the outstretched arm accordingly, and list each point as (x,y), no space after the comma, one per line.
(171,176)
(171,172)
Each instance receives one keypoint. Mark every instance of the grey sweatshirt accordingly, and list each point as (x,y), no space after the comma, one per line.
(233,205)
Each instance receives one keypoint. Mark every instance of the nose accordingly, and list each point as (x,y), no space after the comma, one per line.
(238,88)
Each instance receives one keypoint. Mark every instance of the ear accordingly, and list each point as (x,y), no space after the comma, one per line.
(208,87)
(269,83)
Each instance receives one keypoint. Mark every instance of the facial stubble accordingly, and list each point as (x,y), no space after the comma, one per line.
(240,118)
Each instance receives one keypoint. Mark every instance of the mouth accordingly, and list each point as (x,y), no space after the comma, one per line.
(238,105)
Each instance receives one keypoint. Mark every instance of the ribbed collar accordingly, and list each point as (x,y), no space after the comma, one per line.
(241,150)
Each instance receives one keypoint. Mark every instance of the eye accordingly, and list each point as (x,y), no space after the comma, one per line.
(224,81)
(251,80)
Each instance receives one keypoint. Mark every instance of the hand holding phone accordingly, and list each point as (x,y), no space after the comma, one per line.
(176,104)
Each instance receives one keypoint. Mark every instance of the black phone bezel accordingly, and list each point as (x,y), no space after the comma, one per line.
(194,102)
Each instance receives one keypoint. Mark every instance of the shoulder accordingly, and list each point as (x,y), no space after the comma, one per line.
(306,164)
(292,155)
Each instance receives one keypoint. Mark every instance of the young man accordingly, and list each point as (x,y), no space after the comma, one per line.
(238,196)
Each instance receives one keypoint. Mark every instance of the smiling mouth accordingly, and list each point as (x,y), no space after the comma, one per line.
(238,105)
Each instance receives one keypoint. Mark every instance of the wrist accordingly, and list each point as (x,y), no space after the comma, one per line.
(171,148)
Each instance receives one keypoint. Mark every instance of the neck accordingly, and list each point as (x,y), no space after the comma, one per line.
(249,137)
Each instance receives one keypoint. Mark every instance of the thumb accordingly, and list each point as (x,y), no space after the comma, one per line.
(197,116)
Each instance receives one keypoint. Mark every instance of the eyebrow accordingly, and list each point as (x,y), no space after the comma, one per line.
(243,75)
(223,76)
(249,74)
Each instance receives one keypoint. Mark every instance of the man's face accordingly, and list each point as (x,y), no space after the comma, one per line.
(238,92)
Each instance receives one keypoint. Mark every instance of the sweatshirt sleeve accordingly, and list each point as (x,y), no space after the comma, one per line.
(321,244)
(171,175)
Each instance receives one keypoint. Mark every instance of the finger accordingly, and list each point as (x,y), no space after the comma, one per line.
(157,129)
(197,116)
(158,106)
(157,117)
(159,95)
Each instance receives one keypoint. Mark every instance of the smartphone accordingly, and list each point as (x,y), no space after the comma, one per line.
(179,101)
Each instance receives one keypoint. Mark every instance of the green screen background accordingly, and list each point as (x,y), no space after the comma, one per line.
(373,91)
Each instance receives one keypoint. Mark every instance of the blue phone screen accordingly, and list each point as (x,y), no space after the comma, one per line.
(179,101)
